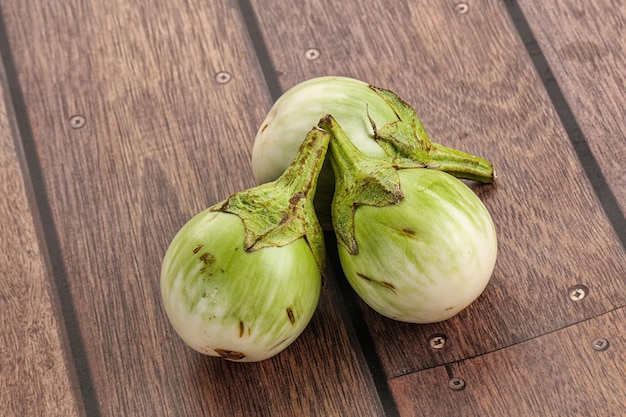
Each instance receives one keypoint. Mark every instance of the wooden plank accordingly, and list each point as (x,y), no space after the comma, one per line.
(168,96)
(584,45)
(36,378)
(468,75)
(565,373)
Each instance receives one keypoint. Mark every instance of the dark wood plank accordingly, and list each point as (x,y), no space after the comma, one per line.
(469,77)
(165,134)
(36,378)
(565,373)
(584,46)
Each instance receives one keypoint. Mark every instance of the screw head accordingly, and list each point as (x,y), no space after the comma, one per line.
(577,292)
(461,8)
(437,341)
(456,384)
(223,77)
(77,121)
(600,344)
(312,54)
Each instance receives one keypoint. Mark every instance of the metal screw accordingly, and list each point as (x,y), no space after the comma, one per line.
(600,344)
(461,8)
(77,121)
(578,292)
(437,341)
(456,384)
(223,77)
(312,54)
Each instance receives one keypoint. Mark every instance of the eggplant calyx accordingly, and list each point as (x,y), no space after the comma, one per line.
(407,138)
(359,180)
(280,212)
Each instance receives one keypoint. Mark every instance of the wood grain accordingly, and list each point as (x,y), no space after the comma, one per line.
(167,134)
(35,375)
(558,374)
(172,92)
(584,43)
(475,88)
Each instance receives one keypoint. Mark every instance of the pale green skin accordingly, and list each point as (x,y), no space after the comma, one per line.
(244,306)
(301,107)
(426,258)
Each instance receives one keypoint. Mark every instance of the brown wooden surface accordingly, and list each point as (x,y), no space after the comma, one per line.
(36,377)
(557,374)
(166,134)
(584,44)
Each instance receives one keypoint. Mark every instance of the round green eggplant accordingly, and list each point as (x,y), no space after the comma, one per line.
(426,258)
(226,301)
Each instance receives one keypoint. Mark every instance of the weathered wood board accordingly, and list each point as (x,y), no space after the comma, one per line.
(122,119)
(37,377)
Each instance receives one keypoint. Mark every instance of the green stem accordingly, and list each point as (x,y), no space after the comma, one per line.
(282,211)
(460,164)
(407,138)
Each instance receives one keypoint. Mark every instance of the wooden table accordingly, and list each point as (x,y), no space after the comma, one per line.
(121,119)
